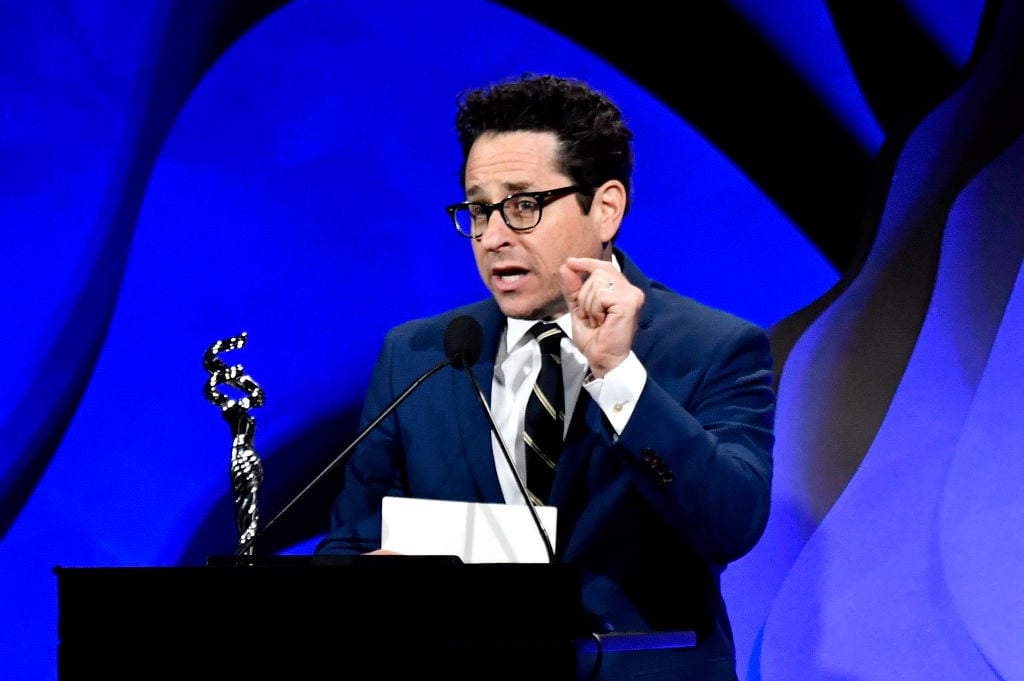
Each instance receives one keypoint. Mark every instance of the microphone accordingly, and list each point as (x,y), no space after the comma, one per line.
(458,349)
(463,342)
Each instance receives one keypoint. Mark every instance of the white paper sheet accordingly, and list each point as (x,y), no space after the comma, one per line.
(476,533)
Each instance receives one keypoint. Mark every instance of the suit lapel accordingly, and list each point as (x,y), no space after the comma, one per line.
(581,439)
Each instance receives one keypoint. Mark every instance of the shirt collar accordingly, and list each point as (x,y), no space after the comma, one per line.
(516,329)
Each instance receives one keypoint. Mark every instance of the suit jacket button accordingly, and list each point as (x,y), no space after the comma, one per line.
(648,455)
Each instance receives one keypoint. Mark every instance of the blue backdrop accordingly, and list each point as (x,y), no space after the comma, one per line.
(166,182)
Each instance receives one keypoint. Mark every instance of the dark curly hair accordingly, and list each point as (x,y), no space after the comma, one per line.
(594,141)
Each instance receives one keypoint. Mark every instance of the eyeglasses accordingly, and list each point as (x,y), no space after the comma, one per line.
(521,212)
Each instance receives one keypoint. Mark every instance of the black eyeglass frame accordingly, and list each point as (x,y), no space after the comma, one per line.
(542,199)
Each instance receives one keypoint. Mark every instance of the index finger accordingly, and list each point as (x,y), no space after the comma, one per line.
(584,266)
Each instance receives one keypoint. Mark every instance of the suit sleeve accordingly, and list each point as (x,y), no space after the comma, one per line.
(373,472)
(700,443)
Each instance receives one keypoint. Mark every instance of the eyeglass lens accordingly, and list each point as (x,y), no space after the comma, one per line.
(518,212)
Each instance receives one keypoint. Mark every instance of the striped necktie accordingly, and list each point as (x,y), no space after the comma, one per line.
(545,414)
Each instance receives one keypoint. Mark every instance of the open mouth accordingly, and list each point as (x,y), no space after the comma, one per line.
(509,276)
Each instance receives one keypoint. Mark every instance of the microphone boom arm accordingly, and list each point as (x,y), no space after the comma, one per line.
(508,459)
(344,455)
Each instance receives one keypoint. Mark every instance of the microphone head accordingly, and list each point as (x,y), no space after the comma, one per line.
(463,341)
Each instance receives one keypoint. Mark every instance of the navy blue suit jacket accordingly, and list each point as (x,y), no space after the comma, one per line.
(652,517)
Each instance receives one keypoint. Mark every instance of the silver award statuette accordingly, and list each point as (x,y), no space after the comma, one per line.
(246,467)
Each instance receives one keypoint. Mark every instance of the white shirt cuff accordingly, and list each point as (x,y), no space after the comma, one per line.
(617,393)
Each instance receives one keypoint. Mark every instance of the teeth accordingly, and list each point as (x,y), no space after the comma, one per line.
(510,277)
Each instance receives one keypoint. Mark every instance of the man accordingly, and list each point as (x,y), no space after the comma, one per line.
(665,473)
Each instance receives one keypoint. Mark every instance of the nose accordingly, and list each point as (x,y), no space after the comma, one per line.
(496,232)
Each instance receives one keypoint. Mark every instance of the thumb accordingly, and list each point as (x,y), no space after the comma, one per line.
(571,285)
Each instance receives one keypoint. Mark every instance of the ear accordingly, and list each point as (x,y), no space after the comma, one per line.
(607,209)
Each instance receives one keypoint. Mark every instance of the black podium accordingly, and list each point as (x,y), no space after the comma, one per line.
(320,617)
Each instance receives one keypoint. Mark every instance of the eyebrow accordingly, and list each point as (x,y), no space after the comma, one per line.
(509,188)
